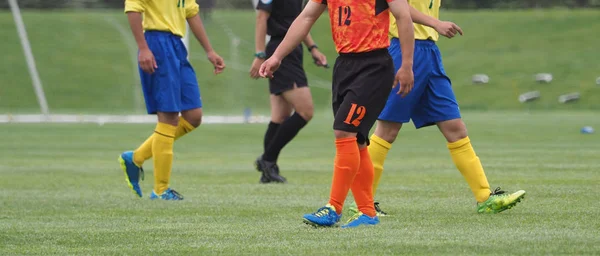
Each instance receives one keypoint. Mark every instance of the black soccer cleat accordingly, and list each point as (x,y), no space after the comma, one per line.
(270,171)
(378,210)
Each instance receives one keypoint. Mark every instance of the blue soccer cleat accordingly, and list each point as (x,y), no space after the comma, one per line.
(323,217)
(169,194)
(361,219)
(133,173)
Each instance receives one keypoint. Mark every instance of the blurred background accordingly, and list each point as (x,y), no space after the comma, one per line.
(86,57)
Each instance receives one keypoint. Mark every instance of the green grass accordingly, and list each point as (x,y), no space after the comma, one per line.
(62,192)
(86,66)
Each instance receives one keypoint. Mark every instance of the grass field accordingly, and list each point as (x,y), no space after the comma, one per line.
(85,61)
(63,193)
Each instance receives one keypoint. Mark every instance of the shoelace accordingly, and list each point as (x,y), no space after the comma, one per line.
(174,194)
(324,211)
(497,191)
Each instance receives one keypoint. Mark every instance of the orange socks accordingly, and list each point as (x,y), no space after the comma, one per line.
(345,167)
(362,187)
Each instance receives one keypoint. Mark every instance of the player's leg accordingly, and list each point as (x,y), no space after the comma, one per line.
(347,155)
(397,110)
(300,99)
(152,86)
(162,151)
(442,108)
(289,81)
(188,98)
(144,151)
(280,111)
(362,187)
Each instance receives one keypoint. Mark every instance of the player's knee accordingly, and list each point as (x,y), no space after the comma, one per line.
(193,116)
(195,121)
(306,113)
(168,118)
(388,131)
(343,134)
(279,118)
(389,135)
(454,130)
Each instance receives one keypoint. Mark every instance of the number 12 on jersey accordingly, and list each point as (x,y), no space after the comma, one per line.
(344,13)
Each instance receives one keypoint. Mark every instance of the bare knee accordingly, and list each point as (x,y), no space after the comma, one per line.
(453,130)
(306,112)
(193,116)
(279,118)
(343,134)
(388,131)
(171,118)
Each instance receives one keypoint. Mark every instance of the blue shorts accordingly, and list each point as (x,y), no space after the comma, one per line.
(432,99)
(173,86)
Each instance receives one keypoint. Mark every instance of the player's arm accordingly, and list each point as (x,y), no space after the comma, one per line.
(401,11)
(296,33)
(134,10)
(318,57)
(199,32)
(260,33)
(445,28)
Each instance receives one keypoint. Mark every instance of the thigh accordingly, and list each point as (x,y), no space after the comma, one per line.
(162,89)
(300,99)
(280,109)
(400,109)
(366,88)
(439,102)
(190,90)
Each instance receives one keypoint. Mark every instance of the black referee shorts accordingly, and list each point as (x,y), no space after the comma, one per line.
(362,83)
(290,71)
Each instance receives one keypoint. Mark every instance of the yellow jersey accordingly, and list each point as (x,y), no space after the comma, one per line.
(164,15)
(427,7)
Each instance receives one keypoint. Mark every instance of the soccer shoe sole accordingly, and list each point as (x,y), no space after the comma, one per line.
(124,168)
(315,225)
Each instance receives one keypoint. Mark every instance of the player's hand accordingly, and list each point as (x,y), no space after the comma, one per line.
(269,67)
(319,58)
(448,29)
(256,67)
(217,62)
(405,79)
(147,61)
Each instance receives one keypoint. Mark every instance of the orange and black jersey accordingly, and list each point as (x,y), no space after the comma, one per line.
(358,25)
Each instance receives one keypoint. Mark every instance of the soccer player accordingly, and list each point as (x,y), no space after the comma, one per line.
(169,84)
(432,101)
(363,77)
(288,87)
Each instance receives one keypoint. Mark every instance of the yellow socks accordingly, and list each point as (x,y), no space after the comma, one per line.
(144,152)
(378,150)
(162,151)
(468,164)
(183,128)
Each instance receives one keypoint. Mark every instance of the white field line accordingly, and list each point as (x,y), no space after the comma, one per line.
(122,119)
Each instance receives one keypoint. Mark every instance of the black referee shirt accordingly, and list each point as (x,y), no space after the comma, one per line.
(283,13)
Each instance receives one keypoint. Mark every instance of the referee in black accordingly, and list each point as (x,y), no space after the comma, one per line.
(288,87)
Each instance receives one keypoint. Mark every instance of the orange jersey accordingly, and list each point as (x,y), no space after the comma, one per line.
(358,25)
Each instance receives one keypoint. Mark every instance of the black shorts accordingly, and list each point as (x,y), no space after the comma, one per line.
(361,85)
(290,71)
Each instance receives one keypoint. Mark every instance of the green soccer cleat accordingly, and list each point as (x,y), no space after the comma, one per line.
(500,201)
(353,209)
